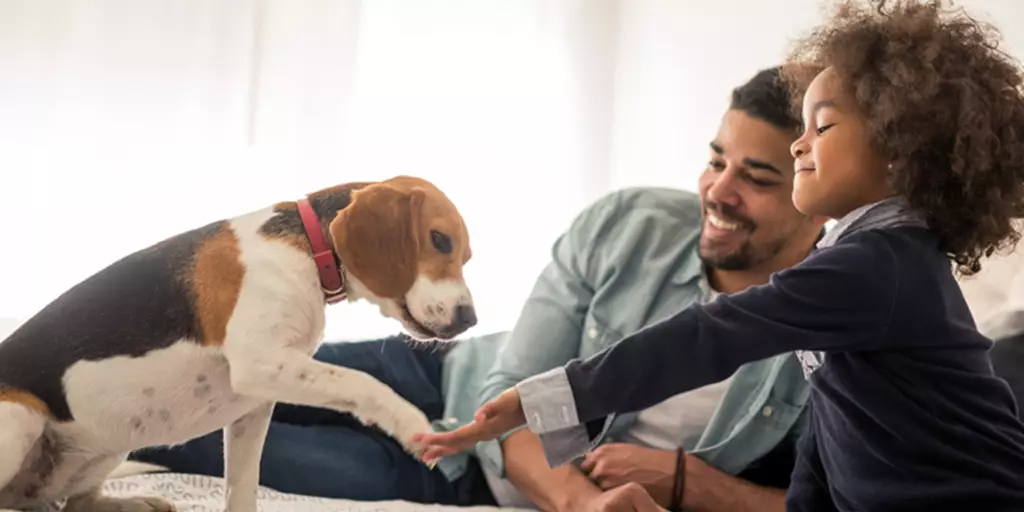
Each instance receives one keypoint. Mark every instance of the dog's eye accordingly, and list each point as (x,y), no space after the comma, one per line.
(441,242)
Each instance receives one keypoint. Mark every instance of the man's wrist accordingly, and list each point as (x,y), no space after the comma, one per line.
(661,490)
(695,468)
(678,481)
(579,490)
(708,489)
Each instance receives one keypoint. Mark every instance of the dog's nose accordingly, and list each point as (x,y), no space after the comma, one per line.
(463,318)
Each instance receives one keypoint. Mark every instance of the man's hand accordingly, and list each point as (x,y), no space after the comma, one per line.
(707,489)
(493,419)
(616,464)
(560,489)
(627,498)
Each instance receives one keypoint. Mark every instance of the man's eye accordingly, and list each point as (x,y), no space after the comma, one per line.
(441,242)
(714,164)
(761,183)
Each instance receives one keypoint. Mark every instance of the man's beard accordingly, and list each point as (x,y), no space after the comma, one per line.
(747,256)
(744,258)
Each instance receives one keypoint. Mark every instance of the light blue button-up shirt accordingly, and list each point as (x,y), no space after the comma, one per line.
(627,261)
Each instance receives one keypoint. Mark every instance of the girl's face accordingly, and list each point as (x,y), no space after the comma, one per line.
(837,167)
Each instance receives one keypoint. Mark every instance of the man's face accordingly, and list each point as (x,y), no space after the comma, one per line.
(746,193)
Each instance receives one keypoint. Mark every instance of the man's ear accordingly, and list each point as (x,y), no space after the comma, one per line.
(377,238)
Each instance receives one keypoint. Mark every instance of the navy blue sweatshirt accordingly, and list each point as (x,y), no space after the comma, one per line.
(905,412)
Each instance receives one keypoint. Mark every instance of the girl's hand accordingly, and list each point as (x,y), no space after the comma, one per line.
(494,418)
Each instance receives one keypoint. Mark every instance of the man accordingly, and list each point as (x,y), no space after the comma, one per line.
(638,256)
(630,259)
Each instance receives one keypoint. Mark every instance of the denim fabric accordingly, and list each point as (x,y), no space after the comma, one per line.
(320,452)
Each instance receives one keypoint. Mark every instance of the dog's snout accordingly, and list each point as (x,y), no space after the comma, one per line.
(464,317)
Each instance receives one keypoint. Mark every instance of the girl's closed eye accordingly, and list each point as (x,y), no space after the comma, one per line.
(822,129)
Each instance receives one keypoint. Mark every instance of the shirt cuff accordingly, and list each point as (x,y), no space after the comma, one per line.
(565,446)
(548,402)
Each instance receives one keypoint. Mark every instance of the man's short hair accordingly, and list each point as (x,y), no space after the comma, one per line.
(766,97)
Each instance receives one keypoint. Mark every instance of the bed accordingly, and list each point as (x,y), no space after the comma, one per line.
(196,493)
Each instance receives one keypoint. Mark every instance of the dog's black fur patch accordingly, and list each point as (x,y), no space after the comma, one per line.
(140,303)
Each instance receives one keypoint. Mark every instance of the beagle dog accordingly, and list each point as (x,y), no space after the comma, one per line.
(208,329)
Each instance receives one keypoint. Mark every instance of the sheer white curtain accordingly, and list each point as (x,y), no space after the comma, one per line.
(122,122)
(125,121)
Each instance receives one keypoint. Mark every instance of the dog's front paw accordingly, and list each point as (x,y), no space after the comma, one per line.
(410,424)
(399,419)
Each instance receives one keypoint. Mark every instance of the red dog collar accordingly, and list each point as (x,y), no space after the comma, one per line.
(330,275)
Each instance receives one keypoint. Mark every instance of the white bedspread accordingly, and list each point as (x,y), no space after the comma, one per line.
(193,493)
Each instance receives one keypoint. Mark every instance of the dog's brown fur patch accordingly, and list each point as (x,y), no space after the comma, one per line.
(26,399)
(384,237)
(438,215)
(377,239)
(216,282)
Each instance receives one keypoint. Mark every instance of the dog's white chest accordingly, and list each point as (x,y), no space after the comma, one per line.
(169,396)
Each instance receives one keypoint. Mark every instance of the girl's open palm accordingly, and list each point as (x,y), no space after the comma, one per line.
(492,420)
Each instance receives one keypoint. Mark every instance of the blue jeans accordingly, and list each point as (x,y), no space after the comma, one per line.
(320,452)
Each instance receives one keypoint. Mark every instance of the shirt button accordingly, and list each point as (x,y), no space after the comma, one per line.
(592,332)
(767,411)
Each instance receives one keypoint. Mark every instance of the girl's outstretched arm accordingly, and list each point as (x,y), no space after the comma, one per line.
(840,298)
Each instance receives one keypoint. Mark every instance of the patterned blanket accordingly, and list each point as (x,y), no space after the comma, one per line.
(193,493)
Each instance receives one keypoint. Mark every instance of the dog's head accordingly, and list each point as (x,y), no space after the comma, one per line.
(403,244)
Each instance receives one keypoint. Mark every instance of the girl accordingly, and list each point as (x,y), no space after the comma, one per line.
(914,141)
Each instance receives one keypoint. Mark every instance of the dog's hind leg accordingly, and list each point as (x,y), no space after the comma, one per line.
(95,501)
(90,476)
(21,426)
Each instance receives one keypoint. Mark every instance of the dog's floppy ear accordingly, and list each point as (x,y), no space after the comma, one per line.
(377,238)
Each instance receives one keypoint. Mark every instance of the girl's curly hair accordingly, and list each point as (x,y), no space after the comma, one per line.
(943,102)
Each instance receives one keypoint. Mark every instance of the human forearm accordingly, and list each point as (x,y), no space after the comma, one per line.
(647,367)
(710,490)
(551,489)
(799,310)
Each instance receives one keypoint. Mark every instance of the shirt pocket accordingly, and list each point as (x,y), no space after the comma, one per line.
(775,413)
(764,423)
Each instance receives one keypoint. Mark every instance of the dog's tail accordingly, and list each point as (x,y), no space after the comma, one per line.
(132,468)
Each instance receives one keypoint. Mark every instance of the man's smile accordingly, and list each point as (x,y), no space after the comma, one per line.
(716,226)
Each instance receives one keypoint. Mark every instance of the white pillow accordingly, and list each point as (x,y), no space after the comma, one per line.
(996,294)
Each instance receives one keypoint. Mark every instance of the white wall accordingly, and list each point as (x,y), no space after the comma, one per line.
(124,121)
(680,59)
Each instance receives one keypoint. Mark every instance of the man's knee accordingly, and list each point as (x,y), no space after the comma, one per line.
(353,354)
(200,456)
(357,463)
(414,372)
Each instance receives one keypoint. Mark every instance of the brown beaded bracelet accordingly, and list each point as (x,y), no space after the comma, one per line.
(680,485)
